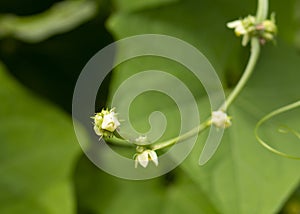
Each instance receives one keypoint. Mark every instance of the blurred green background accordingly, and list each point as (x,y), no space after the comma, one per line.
(45,44)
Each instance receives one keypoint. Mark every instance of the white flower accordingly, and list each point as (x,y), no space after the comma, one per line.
(105,123)
(243,27)
(248,28)
(220,119)
(110,122)
(144,157)
(238,27)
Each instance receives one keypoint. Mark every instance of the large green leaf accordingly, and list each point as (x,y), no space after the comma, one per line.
(102,193)
(242,177)
(38,149)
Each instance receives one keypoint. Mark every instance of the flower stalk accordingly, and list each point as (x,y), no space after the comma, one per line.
(255,50)
(257,30)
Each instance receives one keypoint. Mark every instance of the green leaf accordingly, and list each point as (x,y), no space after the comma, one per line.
(242,177)
(60,18)
(99,192)
(134,5)
(37,153)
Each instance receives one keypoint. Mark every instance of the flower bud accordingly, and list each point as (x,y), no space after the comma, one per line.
(105,123)
(220,119)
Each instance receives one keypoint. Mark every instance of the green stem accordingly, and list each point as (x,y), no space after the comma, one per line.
(255,50)
(261,15)
(182,137)
(119,141)
(262,10)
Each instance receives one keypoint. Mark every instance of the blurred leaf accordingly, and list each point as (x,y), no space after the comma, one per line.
(133,5)
(37,153)
(293,204)
(184,197)
(297,17)
(242,177)
(99,192)
(61,17)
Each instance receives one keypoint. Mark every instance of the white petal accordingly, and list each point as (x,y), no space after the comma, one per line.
(115,119)
(106,121)
(143,159)
(110,122)
(96,129)
(153,157)
(234,24)
(97,117)
(240,30)
(219,119)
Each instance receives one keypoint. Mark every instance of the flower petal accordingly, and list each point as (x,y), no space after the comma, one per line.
(97,131)
(143,159)
(240,30)
(136,163)
(110,122)
(234,24)
(153,157)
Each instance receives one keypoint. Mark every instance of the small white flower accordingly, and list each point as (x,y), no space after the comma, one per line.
(243,27)
(110,122)
(248,27)
(220,119)
(144,157)
(105,123)
(238,27)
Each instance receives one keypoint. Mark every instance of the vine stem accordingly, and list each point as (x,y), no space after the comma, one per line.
(255,50)
(117,141)
(262,10)
(182,137)
(261,14)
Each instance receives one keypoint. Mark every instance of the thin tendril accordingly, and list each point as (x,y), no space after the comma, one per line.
(269,116)
(286,129)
